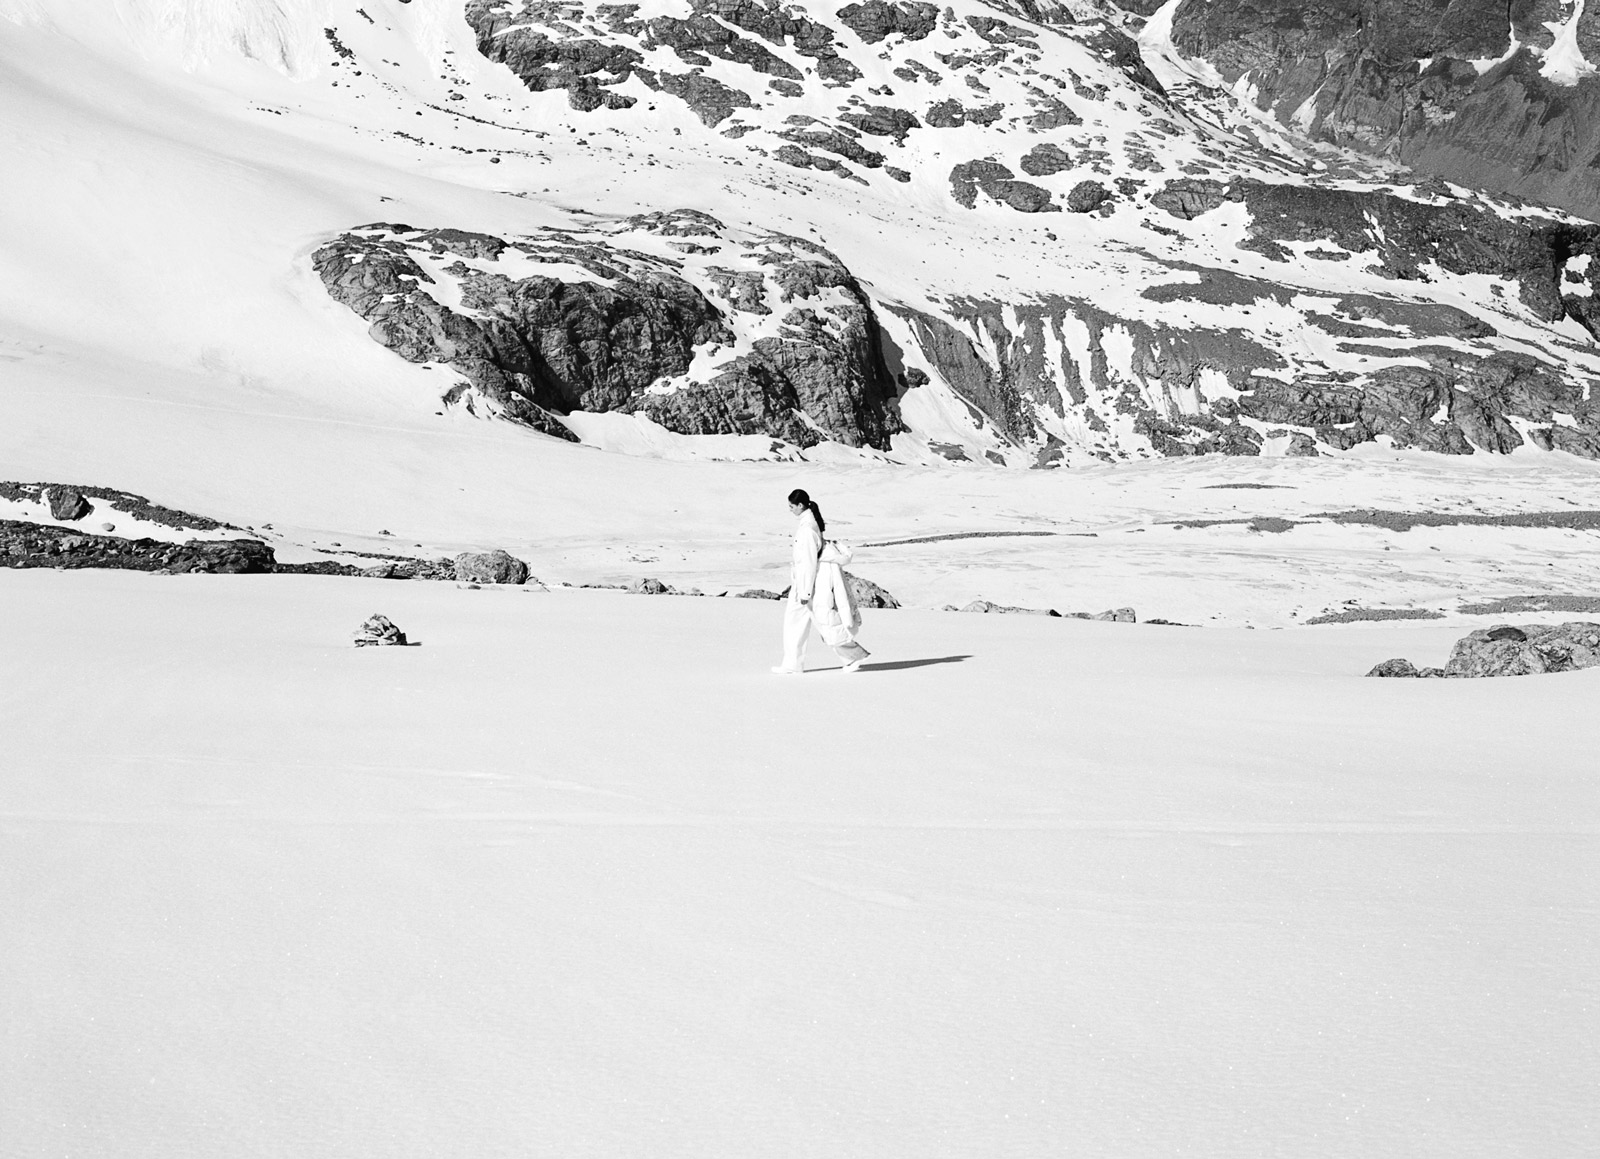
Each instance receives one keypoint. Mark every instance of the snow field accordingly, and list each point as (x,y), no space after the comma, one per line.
(579,877)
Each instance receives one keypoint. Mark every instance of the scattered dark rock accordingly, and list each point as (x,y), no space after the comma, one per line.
(1572,520)
(1189,197)
(1363,615)
(875,19)
(1044,160)
(999,183)
(1541,603)
(379,630)
(1086,196)
(490,567)
(712,101)
(882,121)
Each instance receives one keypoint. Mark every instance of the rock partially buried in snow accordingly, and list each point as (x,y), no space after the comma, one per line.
(379,630)
(986,606)
(490,567)
(1533,648)
(1399,667)
(1118,616)
(650,587)
(868,594)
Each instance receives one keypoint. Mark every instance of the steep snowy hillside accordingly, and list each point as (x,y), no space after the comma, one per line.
(990,232)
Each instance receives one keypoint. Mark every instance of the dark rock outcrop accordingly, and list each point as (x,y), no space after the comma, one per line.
(1044,160)
(124,502)
(26,545)
(534,347)
(490,567)
(1401,235)
(1087,196)
(876,19)
(68,504)
(999,183)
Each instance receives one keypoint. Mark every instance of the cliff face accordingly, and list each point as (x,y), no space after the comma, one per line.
(1502,97)
(1046,243)
(670,315)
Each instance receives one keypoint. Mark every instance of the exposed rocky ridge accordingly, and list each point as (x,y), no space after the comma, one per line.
(793,74)
(25,545)
(1440,87)
(1195,283)
(1425,374)
(703,329)
(124,501)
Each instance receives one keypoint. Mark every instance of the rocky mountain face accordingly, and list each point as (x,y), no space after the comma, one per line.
(1498,96)
(670,315)
(1139,266)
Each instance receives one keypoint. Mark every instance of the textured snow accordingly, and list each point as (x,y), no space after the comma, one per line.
(577,877)
(1033,886)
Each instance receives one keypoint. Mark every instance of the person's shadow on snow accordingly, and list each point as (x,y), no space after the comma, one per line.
(895,665)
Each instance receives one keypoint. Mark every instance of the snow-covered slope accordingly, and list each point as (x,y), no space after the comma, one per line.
(577,878)
(1222,289)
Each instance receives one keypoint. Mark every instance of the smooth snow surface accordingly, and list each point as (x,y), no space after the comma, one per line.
(577,877)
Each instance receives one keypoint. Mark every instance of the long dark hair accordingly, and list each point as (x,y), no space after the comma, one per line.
(800,497)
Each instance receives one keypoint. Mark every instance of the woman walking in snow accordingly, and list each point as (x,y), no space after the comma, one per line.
(818,593)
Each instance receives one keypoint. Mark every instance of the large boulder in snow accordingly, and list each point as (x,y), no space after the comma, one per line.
(490,567)
(379,631)
(1526,650)
(67,504)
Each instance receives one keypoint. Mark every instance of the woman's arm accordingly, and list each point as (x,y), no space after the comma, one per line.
(807,545)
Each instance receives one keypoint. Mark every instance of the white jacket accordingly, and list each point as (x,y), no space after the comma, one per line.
(803,569)
(833,608)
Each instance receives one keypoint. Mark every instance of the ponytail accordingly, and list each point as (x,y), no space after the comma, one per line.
(804,500)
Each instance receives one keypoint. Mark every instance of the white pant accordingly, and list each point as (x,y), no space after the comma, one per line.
(797,630)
